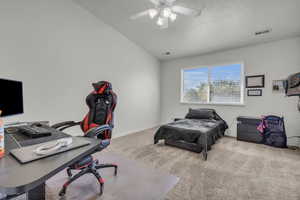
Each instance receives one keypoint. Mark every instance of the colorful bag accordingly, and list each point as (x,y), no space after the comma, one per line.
(2,152)
(273,131)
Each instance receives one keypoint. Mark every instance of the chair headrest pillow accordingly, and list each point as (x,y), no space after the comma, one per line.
(102,87)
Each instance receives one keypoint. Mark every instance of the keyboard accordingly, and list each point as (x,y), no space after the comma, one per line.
(35,131)
(19,137)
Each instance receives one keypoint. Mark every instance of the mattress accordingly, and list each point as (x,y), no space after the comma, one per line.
(200,132)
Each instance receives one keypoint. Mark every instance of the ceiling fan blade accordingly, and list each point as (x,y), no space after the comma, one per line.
(155,2)
(138,15)
(170,1)
(186,11)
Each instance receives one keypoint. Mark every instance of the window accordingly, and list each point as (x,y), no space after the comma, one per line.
(222,84)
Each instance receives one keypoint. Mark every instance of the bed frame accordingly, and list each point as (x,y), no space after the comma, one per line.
(194,147)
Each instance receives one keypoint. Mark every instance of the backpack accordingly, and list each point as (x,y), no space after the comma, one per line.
(273,131)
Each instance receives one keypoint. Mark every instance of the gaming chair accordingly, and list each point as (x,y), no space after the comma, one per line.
(98,123)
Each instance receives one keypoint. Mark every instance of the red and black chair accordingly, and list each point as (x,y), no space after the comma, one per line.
(98,123)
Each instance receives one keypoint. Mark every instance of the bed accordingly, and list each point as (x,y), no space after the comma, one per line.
(197,132)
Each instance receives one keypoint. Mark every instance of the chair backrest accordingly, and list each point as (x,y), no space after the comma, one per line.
(102,103)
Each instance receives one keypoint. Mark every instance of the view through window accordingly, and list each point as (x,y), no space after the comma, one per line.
(216,84)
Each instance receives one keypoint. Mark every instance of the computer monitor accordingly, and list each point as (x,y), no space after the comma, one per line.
(11,98)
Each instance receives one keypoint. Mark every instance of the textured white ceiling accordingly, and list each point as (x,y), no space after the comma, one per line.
(223,24)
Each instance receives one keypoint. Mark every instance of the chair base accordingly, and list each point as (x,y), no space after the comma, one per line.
(90,168)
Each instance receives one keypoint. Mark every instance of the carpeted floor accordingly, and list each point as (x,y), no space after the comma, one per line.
(151,184)
(234,170)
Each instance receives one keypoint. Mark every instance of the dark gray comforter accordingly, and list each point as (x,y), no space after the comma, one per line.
(199,131)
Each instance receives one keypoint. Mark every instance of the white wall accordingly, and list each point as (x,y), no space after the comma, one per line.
(276,60)
(58,49)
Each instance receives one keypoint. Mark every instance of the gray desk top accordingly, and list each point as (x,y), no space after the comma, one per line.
(19,178)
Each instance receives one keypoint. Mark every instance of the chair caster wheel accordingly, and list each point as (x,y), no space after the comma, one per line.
(69,173)
(62,192)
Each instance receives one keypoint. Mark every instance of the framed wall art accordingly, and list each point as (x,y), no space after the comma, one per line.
(254,92)
(257,81)
(278,86)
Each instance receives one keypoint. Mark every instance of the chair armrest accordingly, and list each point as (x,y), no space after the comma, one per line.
(64,125)
(104,143)
(97,130)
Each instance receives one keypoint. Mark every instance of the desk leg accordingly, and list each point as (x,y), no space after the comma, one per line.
(38,193)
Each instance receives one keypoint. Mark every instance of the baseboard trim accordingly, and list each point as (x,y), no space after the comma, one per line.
(133,132)
(292,147)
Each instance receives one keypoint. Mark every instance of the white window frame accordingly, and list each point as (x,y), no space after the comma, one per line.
(242,103)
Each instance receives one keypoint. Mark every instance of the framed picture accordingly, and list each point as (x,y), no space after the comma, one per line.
(278,86)
(254,92)
(257,81)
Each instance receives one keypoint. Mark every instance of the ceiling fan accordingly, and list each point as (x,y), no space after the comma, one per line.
(165,11)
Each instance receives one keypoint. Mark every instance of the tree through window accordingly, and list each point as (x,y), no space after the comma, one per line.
(217,84)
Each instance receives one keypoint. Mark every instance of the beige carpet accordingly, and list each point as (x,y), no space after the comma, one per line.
(135,181)
(234,170)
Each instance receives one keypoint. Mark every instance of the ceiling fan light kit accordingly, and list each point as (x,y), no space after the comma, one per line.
(153,13)
(165,15)
(173,17)
(165,11)
(159,21)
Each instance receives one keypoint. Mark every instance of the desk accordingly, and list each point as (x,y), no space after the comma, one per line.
(30,178)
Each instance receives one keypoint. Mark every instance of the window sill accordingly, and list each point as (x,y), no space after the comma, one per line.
(214,104)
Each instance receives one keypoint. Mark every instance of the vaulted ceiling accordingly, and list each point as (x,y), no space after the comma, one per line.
(223,24)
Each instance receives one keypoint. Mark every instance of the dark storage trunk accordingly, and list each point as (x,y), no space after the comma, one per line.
(247,129)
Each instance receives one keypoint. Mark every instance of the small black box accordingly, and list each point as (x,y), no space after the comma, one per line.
(247,129)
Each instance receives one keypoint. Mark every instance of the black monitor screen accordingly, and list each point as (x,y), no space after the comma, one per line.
(11,98)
